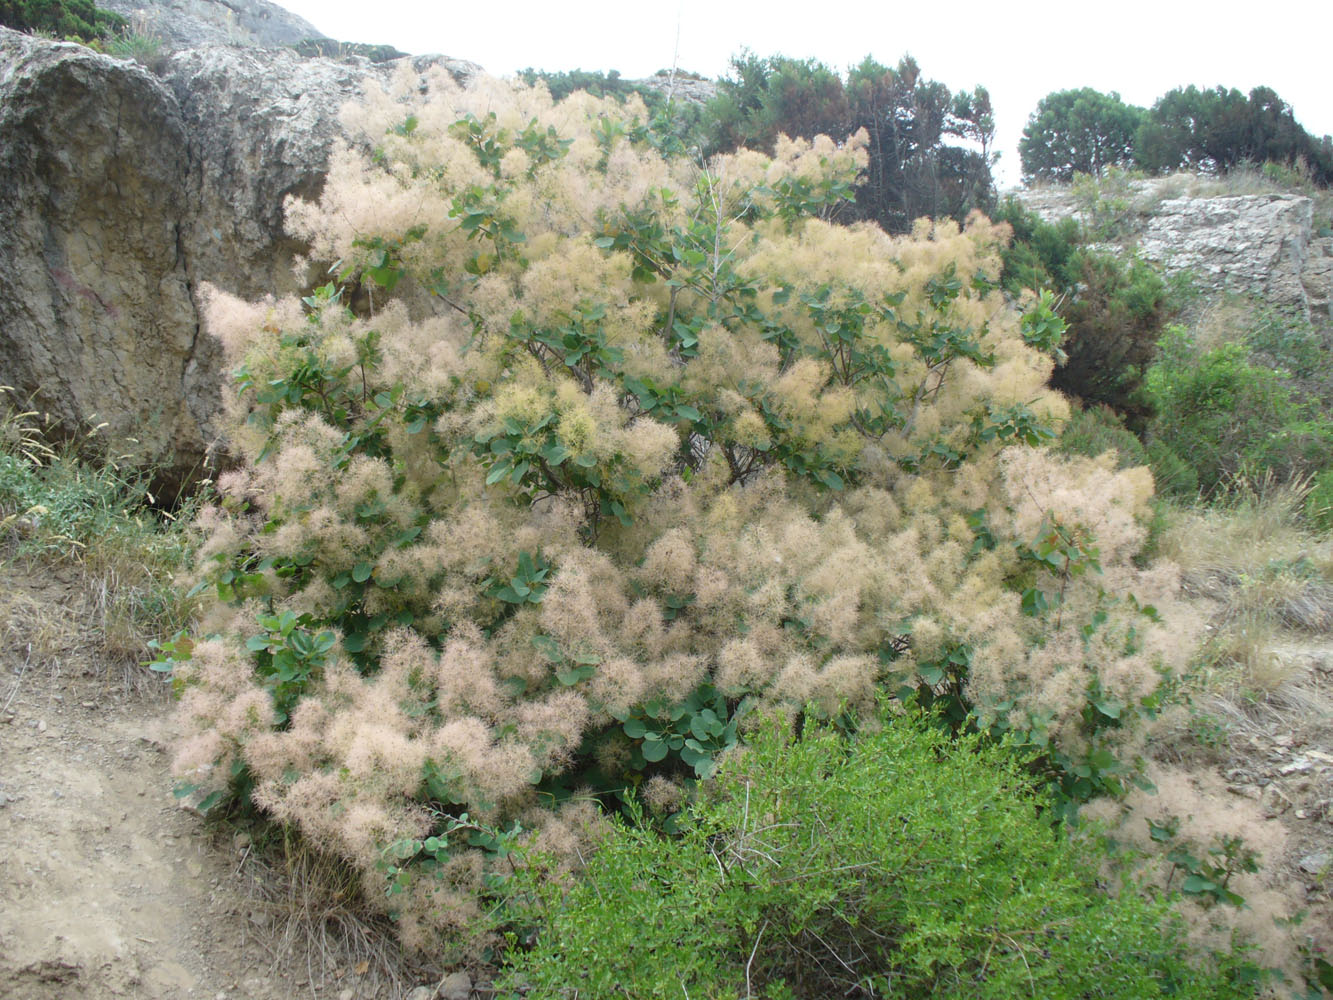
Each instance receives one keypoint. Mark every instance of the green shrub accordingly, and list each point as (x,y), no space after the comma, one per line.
(1116,307)
(62,18)
(1228,417)
(1098,429)
(1043,254)
(56,507)
(1319,501)
(1173,475)
(894,864)
(1115,320)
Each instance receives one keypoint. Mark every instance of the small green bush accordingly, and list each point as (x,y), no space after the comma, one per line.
(1098,429)
(1115,316)
(62,18)
(1173,476)
(1042,253)
(1231,417)
(893,864)
(55,507)
(1116,307)
(1319,501)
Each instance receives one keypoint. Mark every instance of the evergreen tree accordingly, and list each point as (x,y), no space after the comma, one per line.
(1078,131)
(930,149)
(1219,129)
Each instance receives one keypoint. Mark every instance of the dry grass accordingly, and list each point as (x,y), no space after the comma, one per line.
(1266,581)
(40,637)
(88,527)
(316,924)
(91,573)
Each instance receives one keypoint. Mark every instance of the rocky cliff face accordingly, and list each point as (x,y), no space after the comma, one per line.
(191,23)
(1269,245)
(120,193)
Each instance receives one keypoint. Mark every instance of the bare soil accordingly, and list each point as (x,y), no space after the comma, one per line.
(108,888)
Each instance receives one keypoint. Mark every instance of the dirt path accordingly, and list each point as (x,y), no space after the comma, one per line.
(107,888)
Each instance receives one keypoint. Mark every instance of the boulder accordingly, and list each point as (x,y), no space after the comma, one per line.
(1256,244)
(97,322)
(262,123)
(121,193)
(190,23)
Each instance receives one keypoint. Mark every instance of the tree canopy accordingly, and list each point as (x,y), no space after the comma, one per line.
(1218,129)
(930,148)
(1078,131)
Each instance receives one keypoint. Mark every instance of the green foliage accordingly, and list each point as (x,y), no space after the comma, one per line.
(1042,254)
(289,655)
(66,505)
(330,48)
(1078,131)
(410,857)
(1219,129)
(1229,417)
(1099,429)
(1043,329)
(142,47)
(697,730)
(56,507)
(930,149)
(1212,130)
(1106,202)
(1115,316)
(1116,307)
(894,863)
(767,97)
(78,19)
(1319,501)
(1207,877)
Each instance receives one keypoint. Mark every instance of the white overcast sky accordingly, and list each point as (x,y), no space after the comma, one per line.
(1020,52)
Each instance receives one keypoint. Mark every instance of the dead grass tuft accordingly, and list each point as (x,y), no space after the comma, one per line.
(314,921)
(1252,559)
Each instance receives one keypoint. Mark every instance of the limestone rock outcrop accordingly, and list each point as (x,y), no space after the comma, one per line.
(120,193)
(1269,245)
(1257,244)
(190,23)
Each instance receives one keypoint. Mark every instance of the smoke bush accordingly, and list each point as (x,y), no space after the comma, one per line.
(585,451)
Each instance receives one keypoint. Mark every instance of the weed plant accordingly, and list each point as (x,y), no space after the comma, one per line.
(60,509)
